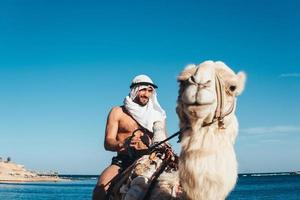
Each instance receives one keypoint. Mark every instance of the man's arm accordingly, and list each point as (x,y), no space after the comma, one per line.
(111,131)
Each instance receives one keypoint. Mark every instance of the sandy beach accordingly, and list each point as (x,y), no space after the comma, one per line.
(12,172)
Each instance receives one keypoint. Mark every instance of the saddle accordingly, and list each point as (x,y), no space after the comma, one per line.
(137,181)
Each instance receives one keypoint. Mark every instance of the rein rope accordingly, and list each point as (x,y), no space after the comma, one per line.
(153,147)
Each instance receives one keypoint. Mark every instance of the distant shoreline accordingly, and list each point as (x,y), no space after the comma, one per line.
(12,173)
(84,176)
(295,173)
(97,175)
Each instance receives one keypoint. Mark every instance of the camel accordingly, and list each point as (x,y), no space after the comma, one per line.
(206,107)
(207,162)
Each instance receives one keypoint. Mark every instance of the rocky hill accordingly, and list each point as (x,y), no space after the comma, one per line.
(12,172)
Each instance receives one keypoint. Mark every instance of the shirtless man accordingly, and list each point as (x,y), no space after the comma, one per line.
(140,110)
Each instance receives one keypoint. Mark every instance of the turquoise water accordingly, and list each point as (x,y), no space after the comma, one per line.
(270,186)
(259,186)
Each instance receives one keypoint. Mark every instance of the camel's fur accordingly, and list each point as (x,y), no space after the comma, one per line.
(207,162)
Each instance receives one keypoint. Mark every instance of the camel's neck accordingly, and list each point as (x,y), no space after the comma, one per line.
(205,154)
(198,137)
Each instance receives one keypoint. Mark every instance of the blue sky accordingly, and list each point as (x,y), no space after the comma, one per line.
(64,64)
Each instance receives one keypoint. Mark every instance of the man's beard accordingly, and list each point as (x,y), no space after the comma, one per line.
(141,103)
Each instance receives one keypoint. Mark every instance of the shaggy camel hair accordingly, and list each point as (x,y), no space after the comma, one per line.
(206,110)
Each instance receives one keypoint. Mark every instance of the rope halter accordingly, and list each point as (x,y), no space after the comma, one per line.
(220,114)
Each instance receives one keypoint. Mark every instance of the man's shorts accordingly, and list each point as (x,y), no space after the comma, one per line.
(123,161)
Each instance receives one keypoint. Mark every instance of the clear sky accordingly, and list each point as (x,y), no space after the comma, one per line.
(64,64)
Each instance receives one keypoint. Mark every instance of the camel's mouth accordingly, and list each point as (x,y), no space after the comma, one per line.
(198,110)
(199,104)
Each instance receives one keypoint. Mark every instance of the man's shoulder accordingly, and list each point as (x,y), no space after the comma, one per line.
(116,111)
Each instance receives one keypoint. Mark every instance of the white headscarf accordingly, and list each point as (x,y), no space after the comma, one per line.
(151,112)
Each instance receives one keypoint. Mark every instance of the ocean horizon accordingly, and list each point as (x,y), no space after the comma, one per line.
(282,186)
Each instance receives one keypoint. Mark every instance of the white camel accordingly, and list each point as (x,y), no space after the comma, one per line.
(207,162)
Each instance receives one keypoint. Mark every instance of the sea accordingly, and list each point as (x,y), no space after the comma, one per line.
(282,186)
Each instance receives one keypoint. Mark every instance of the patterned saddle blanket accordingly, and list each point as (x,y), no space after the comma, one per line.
(139,180)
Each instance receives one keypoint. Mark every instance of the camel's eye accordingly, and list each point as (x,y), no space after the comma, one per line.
(232,88)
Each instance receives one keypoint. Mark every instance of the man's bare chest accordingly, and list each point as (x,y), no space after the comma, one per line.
(127,124)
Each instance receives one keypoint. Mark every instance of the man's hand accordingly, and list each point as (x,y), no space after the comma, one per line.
(137,143)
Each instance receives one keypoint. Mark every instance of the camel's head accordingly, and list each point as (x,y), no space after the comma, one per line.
(203,90)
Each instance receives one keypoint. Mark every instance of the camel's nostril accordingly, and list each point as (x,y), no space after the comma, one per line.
(193,79)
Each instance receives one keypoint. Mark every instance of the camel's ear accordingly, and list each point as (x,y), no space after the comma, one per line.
(241,82)
(188,71)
